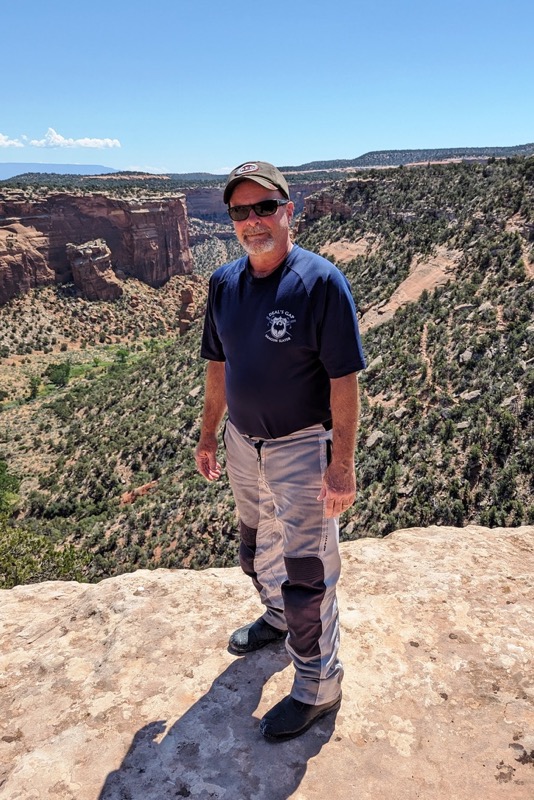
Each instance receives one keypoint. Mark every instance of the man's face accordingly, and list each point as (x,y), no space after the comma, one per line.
(261,234)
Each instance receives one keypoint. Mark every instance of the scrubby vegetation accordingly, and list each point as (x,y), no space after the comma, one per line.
(451,398)
(54,321)
(212,244)
(27,557)
(104,456)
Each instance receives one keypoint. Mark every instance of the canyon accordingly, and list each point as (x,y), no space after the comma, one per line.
(147,238)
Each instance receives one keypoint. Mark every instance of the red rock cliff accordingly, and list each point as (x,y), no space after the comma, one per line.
(320,205)
(148,238)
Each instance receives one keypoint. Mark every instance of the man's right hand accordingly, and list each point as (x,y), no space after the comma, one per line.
(206,458)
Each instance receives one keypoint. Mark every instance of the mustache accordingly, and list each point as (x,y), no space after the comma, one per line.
(255,229)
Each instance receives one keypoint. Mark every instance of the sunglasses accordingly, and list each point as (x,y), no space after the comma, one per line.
(265,208)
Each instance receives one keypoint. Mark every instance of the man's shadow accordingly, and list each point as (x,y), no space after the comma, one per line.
(215,749)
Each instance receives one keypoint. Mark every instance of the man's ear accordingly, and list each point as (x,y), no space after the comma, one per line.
(290,210)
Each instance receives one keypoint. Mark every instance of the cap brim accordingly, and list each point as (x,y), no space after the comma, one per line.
(256,178)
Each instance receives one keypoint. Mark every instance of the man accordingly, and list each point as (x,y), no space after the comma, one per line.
(283,348)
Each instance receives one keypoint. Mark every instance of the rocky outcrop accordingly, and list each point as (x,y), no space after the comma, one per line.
(321,205)
(130,497)
(125,689)
(188,309)
(148,239)
(92,272)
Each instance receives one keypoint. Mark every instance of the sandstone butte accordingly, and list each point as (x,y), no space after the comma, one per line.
(126,690)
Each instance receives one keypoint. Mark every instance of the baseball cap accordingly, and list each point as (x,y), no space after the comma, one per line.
(261,172)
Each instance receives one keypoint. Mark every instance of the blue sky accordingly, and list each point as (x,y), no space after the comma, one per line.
(174,85)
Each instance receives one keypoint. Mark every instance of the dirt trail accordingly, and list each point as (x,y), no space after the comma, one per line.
(516,225)
(529,265)
(424,354)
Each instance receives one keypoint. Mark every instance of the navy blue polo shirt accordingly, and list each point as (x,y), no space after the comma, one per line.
(282,337)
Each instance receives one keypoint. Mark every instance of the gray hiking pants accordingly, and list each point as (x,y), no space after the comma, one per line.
(290,549)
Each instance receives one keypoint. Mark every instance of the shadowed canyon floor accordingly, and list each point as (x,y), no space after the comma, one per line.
(125,689)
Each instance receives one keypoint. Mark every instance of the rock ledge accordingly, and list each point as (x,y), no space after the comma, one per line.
(125,689)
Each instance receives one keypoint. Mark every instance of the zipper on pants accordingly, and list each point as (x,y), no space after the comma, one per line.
(258,445)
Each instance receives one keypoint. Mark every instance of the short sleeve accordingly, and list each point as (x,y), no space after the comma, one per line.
(211,347)
(340,348)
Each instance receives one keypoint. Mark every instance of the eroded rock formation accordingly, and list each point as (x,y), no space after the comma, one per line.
(92,271)
(320,205)
(126,688)
(148,239)
(23,262)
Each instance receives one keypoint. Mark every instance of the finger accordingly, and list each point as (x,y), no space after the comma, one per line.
(214,472)
(203,468)
(331,507)
(331,512)
(208,466)
(336,506)
(330,500)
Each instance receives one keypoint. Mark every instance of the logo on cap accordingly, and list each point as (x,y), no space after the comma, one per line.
(247,168)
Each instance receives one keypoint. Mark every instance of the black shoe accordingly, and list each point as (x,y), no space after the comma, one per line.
(255,635)
(290,718)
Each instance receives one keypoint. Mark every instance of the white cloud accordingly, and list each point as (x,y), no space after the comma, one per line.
(5,141)
(54,139)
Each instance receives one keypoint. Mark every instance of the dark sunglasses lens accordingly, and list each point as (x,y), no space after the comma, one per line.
(239,213)
(265,208)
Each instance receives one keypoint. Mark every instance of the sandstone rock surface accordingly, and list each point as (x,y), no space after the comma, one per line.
(125,689)
(23,265)
(320,205)
(148,238)
(426,274)
(92,271)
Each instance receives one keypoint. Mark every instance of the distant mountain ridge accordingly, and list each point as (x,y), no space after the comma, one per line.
(14,169)
(396,158)
(375,158)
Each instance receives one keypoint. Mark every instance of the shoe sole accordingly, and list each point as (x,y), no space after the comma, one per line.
(252,649)
(286,737)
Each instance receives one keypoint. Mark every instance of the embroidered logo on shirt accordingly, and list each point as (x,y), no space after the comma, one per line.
(279,324)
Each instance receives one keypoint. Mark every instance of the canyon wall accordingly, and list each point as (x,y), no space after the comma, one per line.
(148,238)
(321,205)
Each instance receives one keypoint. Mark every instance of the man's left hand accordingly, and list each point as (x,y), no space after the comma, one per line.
(338,490)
